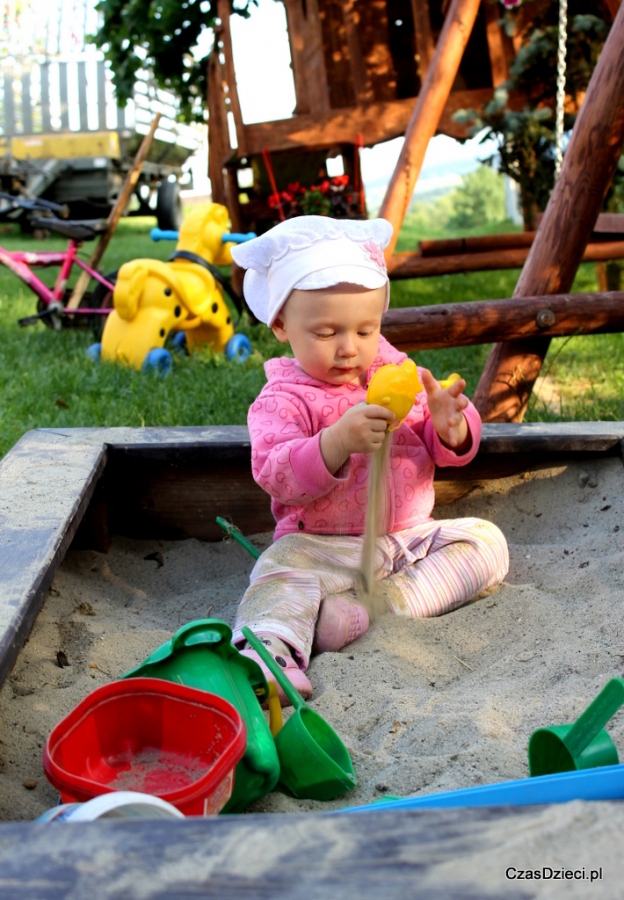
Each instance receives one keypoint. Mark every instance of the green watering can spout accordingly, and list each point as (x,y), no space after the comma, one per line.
(584,744)
(314,763)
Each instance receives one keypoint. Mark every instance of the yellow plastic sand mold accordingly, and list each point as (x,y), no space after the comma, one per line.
(447,382)
(395,387)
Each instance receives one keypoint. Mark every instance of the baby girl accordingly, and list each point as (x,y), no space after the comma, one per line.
(321,285)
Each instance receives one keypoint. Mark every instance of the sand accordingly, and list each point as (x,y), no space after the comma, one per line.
(423,705)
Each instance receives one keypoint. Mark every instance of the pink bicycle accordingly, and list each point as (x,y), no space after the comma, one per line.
(52,301)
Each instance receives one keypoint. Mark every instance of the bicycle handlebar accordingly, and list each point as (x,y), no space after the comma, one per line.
(158,234)
(35,204)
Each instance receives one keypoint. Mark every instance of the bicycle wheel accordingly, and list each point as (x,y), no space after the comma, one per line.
(101,298)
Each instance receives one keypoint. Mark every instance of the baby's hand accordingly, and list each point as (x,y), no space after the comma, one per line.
(360,430)
(445,408)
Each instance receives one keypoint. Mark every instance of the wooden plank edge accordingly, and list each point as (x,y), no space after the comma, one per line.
(372,854)
(496,437)
(24,609)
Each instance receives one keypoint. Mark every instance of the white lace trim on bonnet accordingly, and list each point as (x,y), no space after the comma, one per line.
(308,253)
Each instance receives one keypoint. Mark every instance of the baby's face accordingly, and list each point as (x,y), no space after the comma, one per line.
(333,332)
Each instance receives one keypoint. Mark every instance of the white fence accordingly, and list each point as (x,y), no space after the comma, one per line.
(76,95)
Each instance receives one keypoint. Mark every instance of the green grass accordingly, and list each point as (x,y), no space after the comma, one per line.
(47,381)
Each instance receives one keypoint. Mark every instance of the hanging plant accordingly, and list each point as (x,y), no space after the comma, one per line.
(526,138)
(335,197)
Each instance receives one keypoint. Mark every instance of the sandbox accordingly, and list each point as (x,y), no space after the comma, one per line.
(423,705)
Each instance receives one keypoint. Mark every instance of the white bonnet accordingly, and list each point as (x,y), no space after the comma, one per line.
(308,253)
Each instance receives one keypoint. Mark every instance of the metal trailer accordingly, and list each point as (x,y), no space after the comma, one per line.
(63,138)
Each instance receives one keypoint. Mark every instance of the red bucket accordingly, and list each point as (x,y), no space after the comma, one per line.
(152,736)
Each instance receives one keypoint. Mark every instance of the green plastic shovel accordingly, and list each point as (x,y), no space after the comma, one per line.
(314,763)
(583,745)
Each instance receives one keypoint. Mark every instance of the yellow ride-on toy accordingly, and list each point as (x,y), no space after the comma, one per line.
(153,298)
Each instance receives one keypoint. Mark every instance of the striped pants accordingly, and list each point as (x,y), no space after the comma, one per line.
(426,570)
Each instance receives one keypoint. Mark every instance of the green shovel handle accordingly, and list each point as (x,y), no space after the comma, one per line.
(291,692)
(595,717)
(234,532)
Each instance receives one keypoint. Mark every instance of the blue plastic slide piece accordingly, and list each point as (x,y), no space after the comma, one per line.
(603,783)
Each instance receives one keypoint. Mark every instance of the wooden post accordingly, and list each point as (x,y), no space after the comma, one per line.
(496,45)
(613,6)
(296,40)
(590,160)
(218,137)
(425,46)
(311,61)
(427,112)
(224,33)
(361,81)
(115,214)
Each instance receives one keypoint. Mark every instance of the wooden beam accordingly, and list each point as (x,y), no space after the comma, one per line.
(232,200)
(225,36)
(486,321)
(607,225)
(427,113)
(613,6)
(478,244)
(425,46)
(296,40)
(361,82)
(385,852)
(376,122)
(499,62)
(589,163)
(219,148)
(412,265)
(314,60)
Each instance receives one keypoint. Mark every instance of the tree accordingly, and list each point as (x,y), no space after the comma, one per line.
(160,35)
(479,200)
(526,138)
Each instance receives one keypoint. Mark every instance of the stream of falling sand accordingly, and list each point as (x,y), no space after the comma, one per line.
(375,517)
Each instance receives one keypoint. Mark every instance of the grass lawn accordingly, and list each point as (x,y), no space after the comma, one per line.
(46,380)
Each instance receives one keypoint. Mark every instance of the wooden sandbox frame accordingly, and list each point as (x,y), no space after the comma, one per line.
(76,487)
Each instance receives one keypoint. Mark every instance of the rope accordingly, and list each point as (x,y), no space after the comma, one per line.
(561,80)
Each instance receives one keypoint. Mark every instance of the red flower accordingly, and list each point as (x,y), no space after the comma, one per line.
(324,186)
(340,180)
(295,188)
(286,196)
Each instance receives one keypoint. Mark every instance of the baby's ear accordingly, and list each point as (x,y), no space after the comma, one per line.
(278,330)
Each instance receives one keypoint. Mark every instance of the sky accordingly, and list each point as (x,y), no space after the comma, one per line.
(266,93)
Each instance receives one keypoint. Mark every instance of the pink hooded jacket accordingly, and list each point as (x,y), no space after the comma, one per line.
(285,424)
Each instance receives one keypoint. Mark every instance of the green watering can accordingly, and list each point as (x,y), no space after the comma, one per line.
(583,745)
(201,655)
(314,763)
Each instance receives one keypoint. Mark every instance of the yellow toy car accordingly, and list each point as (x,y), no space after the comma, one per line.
(153,298)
